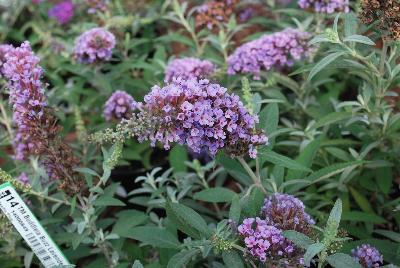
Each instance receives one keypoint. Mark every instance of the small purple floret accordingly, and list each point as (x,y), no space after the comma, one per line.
(23,178)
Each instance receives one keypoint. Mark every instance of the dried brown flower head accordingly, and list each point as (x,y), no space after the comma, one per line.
(55,155)
(385,12)
(215,12)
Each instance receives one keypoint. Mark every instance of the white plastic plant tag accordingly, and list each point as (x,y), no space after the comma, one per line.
(30,228)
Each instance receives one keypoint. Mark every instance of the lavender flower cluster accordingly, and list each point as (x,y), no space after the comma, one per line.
(94,45)
(367,256)
(188,68)
(119,106)
(26,96)
(264,240)
(287,213)
(277,50)
(203,116)
(62,11)
(324,6)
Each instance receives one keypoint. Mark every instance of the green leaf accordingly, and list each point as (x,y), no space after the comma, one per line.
(335,214)
(232,259)
(182,259)
(359,216)
(283,161)
(384,177)
(233,168)
(341,260)
(217,194)
(286,81)
(251,203)
(137,264)
(299,239)
(155,236)
(335,23)
(323,63)
(331,119)
(104,201)
(311,251)
(187,220)
(389,234)
(177,157)
(235,209)
(269,118)
(306,158)
(128,219)
(87,171)
(361,200)
(350,24)
(359,39)
(332,170)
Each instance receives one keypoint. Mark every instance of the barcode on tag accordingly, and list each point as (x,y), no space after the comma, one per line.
(30,228)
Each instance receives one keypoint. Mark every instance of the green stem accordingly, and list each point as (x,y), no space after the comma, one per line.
(383,56)
(257,168)
(103,245)
(242,249)
(49,198)
(256,180)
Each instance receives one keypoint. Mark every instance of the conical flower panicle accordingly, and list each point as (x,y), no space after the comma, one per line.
(367,256)
(202,115)
(277,50)
(119,106)
(94,45)
(287,213)
(266,243)
(36,129)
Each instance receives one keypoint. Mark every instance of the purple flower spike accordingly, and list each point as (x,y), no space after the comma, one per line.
(94,45)
(287,213)
(277,50)
(23,73)
(324,6)
(202,115)
(119,106)
(367,256)
(188,68)
(266,242)
(62,12)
